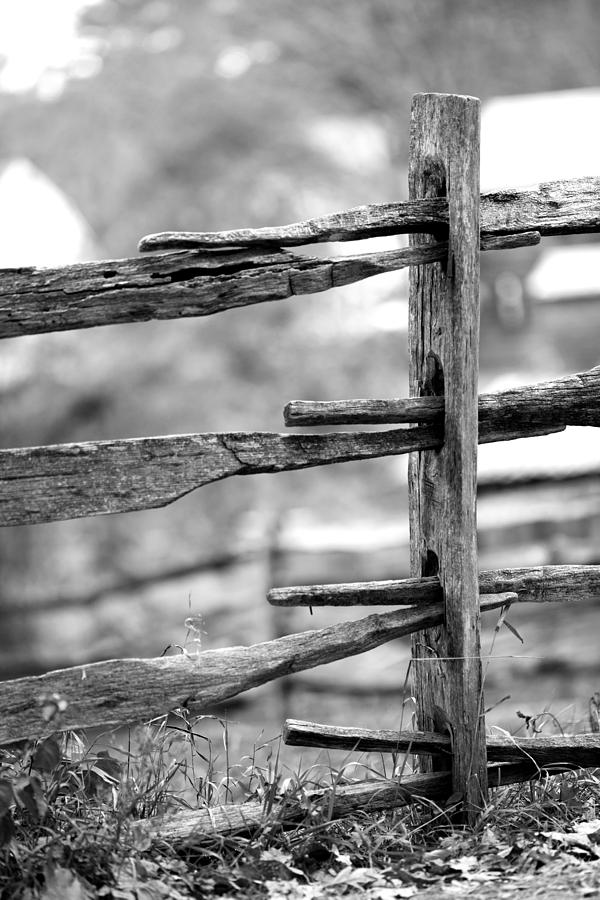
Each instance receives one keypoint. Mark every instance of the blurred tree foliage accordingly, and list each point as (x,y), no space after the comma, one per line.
(200,118)
(200,104)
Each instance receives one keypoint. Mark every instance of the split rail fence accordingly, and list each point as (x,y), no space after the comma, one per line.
(194,274)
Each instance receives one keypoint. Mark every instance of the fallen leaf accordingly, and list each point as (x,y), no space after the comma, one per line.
(464,864)
(6,796)
(574,840)
(29,794)
(591,828)
(63,884)
(46,756)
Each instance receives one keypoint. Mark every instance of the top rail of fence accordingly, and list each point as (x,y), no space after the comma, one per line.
(198,274)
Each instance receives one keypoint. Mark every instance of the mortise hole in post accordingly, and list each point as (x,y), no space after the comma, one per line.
(432,382)
(430,564)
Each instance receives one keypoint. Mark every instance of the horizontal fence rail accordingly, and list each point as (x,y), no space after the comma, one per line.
(537,584)
(43,484)
(224,272)
(554,207)
(184,828)
(129,690)
(133,690)
(193,283)
(62,481)
(571,400)
(66,481)
(543,750)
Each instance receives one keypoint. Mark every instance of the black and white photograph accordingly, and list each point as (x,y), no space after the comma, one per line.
(299,468)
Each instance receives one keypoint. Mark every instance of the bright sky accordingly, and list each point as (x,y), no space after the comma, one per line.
(39,45)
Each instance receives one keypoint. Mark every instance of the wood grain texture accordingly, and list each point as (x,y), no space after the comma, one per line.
(188,828)
(535,584)
(135,690)
(192,283)
(444,329)
(175,285)
(572,400)
(66,481)
(579,750)
(226,270)
(44,484)
(555,207)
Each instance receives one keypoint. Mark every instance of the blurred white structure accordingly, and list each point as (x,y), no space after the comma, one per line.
(529,138)
(525,139)
(565,273)
(39,225)
(574,452)
(41,47)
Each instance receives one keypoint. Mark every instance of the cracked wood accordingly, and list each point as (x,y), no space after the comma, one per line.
(555,207)
(44,484)
(217,275)
(572,400)
(136,690)
(581,750)
(66,481)
(444,360)
(536,584)
(189,827)
(192,283)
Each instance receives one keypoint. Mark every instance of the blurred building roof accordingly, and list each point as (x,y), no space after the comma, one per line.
(572,453)
(39,224)
(529,138)
(570,272)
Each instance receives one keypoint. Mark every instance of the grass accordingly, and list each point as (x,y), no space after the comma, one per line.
(73,817)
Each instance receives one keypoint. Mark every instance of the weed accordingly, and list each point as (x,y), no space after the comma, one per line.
(75,817)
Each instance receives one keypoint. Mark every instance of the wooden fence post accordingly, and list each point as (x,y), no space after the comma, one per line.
(444,339)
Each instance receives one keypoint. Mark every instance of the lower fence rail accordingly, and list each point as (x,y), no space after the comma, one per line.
(578,750)
(185,829)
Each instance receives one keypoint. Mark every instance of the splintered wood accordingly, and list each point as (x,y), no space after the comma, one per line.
(197,282)
(542,750)
(532,584)
(65,481)
(211,272)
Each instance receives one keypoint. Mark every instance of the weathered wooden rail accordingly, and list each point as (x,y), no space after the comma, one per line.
(45,484)
(188,827)
(209,273)
(542,750)
(190,283)
(538,584)
(132,690)
(572,400)
(556,207)
(194,274)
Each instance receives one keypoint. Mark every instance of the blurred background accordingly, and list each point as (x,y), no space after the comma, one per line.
(124,117)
